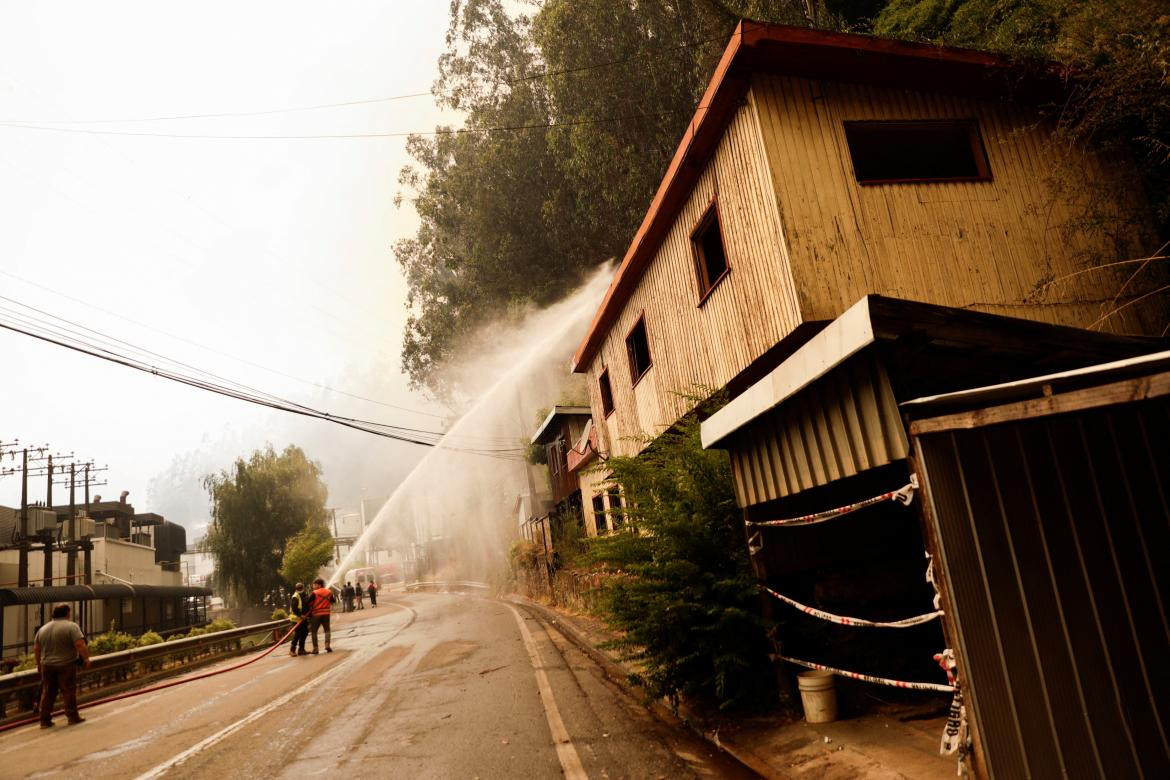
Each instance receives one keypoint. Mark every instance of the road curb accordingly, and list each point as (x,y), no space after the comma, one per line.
(621,676)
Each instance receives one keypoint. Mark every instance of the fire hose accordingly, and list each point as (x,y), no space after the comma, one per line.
(161,686)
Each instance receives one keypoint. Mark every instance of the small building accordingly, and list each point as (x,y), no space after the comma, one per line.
(127,573)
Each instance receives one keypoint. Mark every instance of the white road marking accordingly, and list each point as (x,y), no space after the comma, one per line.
(239,724)
(570,761)
(232,728)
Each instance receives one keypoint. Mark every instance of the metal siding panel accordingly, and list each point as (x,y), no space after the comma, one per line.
(1010,635)
(985,677)
(1091,513)
(1054,541)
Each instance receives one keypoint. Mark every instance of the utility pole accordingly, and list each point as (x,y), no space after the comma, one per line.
(75,541)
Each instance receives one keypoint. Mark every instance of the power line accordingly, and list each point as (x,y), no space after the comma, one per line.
(544,74)
(70,339)
(216,351)
(342,136)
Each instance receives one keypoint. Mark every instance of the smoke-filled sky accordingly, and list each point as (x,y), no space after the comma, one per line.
(265,261)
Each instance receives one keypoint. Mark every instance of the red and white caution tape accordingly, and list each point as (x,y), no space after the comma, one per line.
(903,495)
(852,621)
(918,686)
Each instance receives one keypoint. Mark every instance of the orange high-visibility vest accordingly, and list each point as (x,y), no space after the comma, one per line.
(322,597)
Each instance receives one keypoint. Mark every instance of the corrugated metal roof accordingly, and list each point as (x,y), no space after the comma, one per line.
(559,411)
(55,593)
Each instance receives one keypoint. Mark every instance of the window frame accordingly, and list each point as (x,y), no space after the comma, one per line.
(710,214)
(974,138)
(608,390)
(600,522)
(630,352)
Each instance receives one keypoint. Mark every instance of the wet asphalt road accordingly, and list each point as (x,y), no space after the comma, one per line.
(424,686)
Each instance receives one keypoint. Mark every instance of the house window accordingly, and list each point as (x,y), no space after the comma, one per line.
(599,513)
(615,505)
(902,152)
(606,393)
(710,258)
(638,349)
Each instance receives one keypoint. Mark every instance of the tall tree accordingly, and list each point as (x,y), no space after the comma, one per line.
(573,113)
(255,508)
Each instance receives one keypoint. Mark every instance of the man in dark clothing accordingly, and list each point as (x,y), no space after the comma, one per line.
(58,647)
(300,612)
(347,597)
(373,591)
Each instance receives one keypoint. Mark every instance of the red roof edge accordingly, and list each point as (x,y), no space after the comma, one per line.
(801,51)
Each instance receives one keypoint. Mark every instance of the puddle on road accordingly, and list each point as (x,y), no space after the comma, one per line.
(446,654)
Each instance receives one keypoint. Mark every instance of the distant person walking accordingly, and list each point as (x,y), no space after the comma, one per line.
(373,591)
(299,607)
(59,648)
(319,605)
(360,593)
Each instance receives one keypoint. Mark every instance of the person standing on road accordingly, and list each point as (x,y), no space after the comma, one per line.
(360,594)
(319,605)
(373,594)
(347,595)
(300,615)
(59,648)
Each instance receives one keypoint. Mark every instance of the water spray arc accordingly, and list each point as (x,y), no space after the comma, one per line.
(451,491)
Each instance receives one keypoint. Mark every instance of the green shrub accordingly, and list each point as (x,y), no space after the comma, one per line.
(149,638)
(27,661)
(278,614)
(112,641)
(173,637)
(688,607)
(219,624)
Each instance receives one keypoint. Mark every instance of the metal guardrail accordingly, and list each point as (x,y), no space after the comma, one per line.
(448,584)
(128,668)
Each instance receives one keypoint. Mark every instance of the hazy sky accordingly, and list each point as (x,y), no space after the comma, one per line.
(273,251)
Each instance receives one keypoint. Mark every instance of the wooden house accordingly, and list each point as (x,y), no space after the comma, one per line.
(823,167)
(850,224)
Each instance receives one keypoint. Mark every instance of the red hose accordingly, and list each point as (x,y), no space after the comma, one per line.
(159,687)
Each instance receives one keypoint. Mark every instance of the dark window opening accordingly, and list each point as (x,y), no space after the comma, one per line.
(599,513)
(944,150)
(615,505)
(710,257)
(638,348)
(606,393)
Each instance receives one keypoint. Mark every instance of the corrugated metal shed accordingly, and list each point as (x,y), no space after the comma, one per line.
(1048,499)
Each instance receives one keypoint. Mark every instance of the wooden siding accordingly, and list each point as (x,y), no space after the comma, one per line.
(751,309)
(984,245)
(845,423)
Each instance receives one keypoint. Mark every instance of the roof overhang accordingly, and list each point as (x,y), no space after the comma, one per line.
(559,411)
(807,53)
(933,352)
(67,593)
(843,337)
(1044,385)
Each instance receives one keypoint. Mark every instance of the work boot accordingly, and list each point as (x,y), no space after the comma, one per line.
(78,719)
(45,725)
(328,649)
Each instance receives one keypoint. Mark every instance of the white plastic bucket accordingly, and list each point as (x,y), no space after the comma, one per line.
(818,695)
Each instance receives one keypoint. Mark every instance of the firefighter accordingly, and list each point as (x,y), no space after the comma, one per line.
(300,615)
(319,605)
